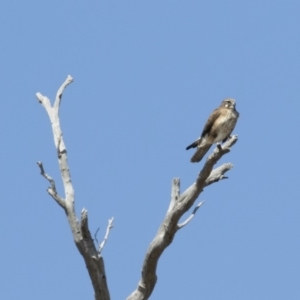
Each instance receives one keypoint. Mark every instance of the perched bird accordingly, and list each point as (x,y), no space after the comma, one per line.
(218,128)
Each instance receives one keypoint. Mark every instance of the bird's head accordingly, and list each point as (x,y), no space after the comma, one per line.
(228,103)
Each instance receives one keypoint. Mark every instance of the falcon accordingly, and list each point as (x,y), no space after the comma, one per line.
(217,129)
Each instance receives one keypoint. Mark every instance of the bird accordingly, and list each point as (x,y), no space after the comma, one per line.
(218,128)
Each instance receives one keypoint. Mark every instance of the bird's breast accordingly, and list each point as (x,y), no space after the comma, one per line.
(223,126)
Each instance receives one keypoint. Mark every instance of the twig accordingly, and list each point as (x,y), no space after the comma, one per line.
(52,190)
(95,235)
(109,227)
(218,174)
(191,216)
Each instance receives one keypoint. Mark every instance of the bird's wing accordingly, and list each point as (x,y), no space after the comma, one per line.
(211,120)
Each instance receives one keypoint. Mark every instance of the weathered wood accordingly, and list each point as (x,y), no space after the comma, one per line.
(80,230)
(179,205)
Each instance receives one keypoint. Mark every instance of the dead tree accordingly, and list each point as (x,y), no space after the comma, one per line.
(91,252)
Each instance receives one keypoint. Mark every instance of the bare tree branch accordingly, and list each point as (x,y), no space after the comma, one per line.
(218,173)
(109,227)
(52,190)
(102,244)
(191,216)
(179,205)
(213,158)
(95,236)
(80,230)
(94,261)
(60,92)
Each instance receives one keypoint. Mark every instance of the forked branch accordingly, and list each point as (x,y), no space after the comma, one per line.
(80,230)
(179,205)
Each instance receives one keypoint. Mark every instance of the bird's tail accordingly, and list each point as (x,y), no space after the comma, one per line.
(193,145)
(200,152)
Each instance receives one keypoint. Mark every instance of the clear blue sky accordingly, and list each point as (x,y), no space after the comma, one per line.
(146,76)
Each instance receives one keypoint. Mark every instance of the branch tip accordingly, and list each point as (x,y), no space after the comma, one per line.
(60,92)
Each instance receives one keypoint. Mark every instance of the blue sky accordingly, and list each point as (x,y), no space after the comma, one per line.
(146,76)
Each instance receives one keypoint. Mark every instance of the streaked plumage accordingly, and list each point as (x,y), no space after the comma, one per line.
(217,129)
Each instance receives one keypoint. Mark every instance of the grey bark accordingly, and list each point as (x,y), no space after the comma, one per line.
(179,205)
(80,229)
